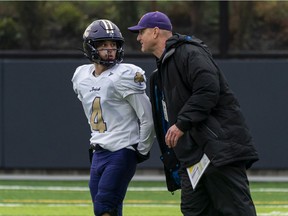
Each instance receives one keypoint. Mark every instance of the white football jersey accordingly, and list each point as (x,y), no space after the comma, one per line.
(115,104)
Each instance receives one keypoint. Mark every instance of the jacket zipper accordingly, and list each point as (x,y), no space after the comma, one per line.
(212,132)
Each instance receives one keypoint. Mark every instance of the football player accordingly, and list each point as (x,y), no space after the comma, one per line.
(118,112)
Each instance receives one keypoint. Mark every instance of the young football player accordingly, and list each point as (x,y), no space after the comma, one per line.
(118,112)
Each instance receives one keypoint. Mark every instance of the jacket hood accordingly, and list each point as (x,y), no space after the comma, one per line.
(175,40)
(178,39)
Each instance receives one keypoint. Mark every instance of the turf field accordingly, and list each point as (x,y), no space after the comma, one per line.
(71,198)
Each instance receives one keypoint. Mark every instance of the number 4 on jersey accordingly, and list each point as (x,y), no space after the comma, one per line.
(96,120)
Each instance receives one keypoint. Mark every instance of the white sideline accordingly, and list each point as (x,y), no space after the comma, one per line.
(72,177)
(145,177)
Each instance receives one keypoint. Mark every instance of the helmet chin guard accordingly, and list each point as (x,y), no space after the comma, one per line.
(99,31)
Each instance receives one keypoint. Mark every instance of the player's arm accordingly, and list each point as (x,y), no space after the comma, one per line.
(142,107)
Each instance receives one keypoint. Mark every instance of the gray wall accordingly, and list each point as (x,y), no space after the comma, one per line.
(43,126)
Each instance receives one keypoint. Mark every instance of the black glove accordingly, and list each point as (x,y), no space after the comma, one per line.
(140,157)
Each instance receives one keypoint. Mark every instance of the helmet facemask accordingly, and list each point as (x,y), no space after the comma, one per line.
(91,48)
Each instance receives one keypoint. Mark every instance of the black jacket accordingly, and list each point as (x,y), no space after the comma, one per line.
(200,103)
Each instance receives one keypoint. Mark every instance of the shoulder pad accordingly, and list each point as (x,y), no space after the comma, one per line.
(131,79)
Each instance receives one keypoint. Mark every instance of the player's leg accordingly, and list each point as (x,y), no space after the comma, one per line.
(116,174)
(95,174)
(228,187)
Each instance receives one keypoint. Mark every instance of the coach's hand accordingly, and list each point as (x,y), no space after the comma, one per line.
(172,136)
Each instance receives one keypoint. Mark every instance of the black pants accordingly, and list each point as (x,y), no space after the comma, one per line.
(221,191)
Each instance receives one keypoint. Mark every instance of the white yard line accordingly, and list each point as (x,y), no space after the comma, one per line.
(137,177)
(139,189)
(274,213)
(63,188)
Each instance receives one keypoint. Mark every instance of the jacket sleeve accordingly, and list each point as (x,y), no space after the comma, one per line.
(203,80)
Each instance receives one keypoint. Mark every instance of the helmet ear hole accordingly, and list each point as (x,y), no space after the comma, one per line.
(89,51)
(97,32)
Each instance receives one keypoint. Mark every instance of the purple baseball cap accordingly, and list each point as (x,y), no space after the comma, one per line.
(151,20)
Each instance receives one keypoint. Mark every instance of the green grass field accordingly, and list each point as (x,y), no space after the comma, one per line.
(71,198)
